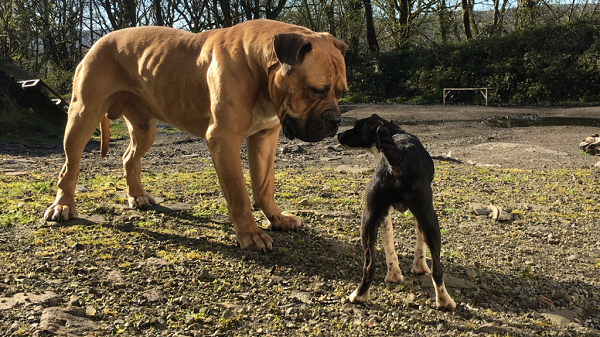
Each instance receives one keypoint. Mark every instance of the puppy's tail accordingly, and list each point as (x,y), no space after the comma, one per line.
(104,136)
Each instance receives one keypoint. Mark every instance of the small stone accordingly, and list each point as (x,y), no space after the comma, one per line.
(410,299)
(90,311)
(303,296)
(227,314)
(471,273)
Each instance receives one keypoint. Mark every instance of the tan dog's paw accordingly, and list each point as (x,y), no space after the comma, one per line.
(354,298)
(60,213)
(141,201)
(256,240)
(286,222)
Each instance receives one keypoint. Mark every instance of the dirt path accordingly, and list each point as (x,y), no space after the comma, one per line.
(468,134)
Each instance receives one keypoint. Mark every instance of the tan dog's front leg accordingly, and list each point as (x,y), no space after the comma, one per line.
(261,159)
(139,143)
(225,151)
(77,133)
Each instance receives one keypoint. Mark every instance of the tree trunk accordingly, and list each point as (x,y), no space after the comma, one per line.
(404,17)
(443,20)
(465,19)
(371,34)
(158,13)
(131,11)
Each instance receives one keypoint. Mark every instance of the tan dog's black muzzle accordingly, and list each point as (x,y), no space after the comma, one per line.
(333,118)
(326,125)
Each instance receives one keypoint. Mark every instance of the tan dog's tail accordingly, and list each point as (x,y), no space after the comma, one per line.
(104,136)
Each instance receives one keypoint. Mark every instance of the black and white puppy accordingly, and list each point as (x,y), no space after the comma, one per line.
(402,180)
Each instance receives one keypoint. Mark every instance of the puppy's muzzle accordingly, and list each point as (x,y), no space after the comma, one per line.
(316,129)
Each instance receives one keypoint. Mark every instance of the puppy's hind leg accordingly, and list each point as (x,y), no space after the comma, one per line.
(428,230)
(373,216)
(80,127)
(420,262)
(394,274)
(141,139)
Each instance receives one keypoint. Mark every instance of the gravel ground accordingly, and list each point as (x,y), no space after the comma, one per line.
(175,269)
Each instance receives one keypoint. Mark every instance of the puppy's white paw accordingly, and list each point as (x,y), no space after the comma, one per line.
(354,298)
(394,275)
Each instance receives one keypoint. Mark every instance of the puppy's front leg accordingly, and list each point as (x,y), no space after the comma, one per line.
(394,274)
(261,159)
(225,151)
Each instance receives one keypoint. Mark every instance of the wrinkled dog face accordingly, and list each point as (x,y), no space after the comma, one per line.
(309,84)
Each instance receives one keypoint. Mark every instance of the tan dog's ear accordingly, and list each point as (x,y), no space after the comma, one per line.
(342,46)
(290,49)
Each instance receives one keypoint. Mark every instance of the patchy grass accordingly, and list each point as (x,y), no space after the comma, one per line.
(515,262)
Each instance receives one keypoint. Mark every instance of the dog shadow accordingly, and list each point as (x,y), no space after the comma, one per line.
(314,253)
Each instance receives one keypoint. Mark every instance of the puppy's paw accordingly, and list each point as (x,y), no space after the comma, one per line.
(141,201)
(60,213)
(354,298)
(394,276)
(420,268)
(254,240)
(285,222)
(445,303)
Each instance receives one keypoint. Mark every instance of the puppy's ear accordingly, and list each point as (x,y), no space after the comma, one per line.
(370,130)
(290,49)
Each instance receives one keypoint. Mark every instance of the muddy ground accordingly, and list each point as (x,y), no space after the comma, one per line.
(176,269)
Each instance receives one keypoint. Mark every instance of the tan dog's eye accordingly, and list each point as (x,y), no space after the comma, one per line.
(319,93)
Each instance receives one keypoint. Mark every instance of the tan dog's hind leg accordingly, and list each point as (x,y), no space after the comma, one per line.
(261,159)
(420,263)
(394,274)
(78,132)
(225,150)
(139,143)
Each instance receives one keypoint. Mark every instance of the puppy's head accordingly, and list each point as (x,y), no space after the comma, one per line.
(308,84)
(365,133)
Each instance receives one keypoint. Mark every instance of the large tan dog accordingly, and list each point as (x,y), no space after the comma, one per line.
(225,85)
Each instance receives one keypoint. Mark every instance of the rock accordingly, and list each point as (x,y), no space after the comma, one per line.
(293,149)
(156,262)
(562,317)
(352,169)
(342,248)
(302,296)
(471,273)
(66,321)
(90,311)
(115,277)
(206,275)
(76,301)
(154,295)
(449,281)
(228,313)
(410,299)
(330,158)
(46,298)
(492,329)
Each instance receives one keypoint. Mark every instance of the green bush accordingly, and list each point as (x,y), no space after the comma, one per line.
(554,64)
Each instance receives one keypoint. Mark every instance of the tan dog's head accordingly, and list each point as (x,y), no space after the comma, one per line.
(307,86)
